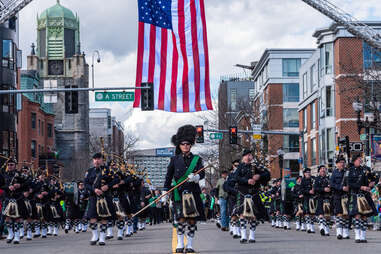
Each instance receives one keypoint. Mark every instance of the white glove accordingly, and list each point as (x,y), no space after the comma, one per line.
(194,178)
(164,198)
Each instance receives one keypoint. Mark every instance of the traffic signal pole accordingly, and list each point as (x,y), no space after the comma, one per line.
(56,90)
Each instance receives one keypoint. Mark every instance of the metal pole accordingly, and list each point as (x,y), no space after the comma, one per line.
(55,90)
(92,65)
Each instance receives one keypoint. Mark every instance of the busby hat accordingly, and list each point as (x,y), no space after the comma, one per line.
(246,152)
(12,160)
(184,133)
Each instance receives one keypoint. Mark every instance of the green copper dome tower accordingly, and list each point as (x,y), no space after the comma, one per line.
(57,33)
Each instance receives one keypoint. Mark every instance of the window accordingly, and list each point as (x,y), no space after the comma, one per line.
(305,157)
(313,151)
(291,92)
(326,58)
(49,130)
(328,101)
(39,127)
(33,120)
(233,99)
(305,85)
(313,115)
(8,55)
(305,119)
(291,143)
(372,57)
(313,78)
(33,148)
(322,146)
(42,128)
(291,67)
(330,143)
(290,117)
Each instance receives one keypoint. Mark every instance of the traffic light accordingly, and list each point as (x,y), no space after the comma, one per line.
(346,144)
(71,101)
(147,97)
(200,134)
(233,135)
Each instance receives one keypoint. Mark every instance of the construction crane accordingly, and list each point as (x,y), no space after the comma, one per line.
(355,27)
(9,8)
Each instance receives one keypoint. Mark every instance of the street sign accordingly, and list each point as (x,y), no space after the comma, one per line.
(114,96)
(363,137)
(257,127)
(216,135)
(257,136)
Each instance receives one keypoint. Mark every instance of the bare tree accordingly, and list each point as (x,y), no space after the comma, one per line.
(130,141)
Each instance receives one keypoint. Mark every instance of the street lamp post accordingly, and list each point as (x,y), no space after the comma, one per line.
(367,125)
(96,52)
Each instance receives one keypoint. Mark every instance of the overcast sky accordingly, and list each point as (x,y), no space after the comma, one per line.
(238,31)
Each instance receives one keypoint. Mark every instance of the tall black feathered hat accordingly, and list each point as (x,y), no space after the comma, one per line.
(184,133)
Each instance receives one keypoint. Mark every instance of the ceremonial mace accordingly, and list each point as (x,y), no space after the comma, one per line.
(168,192)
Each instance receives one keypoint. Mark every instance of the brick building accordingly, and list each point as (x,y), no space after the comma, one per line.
(35,130)
(275,105)
(330,85)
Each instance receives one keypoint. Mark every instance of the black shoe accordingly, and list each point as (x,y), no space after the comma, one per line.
(29,239)
(16,242)
(44,236)
(180,250)
(66,231)
(357,241)
(309,231)
(231,233)
(128,235)
(93,242)
(189,250)
(322,232)
(297,229)
(120,238)
(364,241)
(218,225)
(243,241)
(102,243)
(339,237)
(251,241)
(84,231)
(285,228)
(108,237)
(236,236)
(9,240)
(326,234)
(348,237)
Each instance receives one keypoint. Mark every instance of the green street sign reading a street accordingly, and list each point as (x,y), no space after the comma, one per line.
(114,96)
(216,135)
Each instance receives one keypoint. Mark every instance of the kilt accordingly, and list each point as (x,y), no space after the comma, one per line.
(337,206)
(320,205)
(199,206)
(23,213)
(92,211)
(75,212)
(125,203)
(49,213)
(353,208)
(287,208)
(259,208)
(306,206)
(232,201)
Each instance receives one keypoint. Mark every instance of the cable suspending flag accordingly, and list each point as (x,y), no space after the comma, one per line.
(173,54)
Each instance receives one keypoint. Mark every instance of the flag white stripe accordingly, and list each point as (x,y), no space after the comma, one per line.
(147,28)
(168,79)
(156,77)
(189,54)
(175,27)
(200,38)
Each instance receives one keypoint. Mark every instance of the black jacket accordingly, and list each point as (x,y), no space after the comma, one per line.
(98,177)
(356,179)
(177,167)
(306,186)
(246,172)
(321,182)
(337,181)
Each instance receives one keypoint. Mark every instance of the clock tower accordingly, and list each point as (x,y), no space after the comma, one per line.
(58,57)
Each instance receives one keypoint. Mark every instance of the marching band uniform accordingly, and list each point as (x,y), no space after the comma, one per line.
(253,208)
(298,205)
(308,198)
(322,190)
(340,201)
(233,197)
(100,206)
(187,200)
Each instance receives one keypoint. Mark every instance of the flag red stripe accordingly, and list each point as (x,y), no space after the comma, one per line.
(207,81)
(185,81)
(196,57)
(175,64)
(163,67)
(151,61)
(139,65)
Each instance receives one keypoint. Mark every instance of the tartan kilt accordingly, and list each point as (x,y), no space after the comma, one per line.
(259,208)
(353,208)
(23,213)
(178,205)
(92,211)
(306,206)
(337,206)
(287,208)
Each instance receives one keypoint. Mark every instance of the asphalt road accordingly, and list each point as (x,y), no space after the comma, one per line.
(161,239)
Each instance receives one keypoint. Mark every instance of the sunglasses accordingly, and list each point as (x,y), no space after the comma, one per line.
(185,144)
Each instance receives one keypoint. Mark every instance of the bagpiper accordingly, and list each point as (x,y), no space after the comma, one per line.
(340,199)
(309,204)
(322,190)
(187,200)
(250,178)
(99,181)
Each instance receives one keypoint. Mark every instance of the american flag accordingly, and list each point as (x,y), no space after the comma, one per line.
(173,54)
